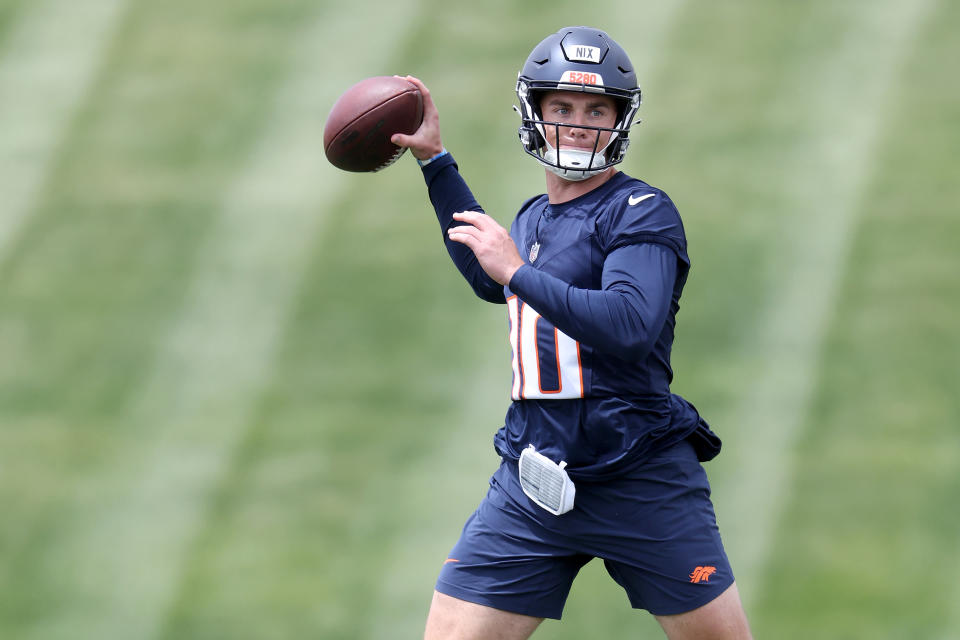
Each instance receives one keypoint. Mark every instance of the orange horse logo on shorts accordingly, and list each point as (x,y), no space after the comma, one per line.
(702,574)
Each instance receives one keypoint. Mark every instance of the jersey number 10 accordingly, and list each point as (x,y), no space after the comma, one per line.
(546,362)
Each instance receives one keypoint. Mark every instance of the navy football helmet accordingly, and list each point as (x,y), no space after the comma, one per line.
(577,59)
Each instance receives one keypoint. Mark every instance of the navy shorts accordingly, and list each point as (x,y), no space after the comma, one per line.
(654,528)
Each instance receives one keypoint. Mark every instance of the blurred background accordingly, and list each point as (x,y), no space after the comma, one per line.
(246,395)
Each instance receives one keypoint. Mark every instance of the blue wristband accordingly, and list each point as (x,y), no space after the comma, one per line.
(424,163)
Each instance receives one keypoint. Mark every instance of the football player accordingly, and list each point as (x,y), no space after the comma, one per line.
(599,458)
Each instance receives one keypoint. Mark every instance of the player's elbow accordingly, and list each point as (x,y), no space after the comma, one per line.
(634,340)
(489,292)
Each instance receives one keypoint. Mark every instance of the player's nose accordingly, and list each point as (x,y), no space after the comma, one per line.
(577,123)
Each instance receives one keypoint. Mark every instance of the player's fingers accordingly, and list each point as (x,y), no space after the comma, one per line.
(465,229)
(418,83)
(429,107)
(461,235)
(475,218)
(481,221)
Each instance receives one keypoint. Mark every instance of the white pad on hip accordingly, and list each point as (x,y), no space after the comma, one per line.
(546,482)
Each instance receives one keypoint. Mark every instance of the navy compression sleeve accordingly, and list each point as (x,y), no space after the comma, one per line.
(449,194)
(624,318)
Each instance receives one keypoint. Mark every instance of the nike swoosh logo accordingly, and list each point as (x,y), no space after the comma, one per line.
(632,201)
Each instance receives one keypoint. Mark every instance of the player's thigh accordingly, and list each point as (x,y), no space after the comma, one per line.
(720,619)
(454,619)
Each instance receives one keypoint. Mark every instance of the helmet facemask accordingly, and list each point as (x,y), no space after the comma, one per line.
(571,164)
(541,139)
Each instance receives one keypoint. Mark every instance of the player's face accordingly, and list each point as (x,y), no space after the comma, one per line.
(578,110)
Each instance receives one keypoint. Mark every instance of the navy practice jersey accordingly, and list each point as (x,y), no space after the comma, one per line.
(590,322)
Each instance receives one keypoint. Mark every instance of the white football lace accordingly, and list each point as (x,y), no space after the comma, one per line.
(391,159)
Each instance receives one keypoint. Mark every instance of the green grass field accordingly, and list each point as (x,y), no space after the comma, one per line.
(245,395)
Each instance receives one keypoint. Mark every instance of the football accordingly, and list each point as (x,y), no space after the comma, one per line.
(356,136)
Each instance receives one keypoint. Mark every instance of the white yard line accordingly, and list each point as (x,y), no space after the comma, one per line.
(846,91)
(47,63)
(125,553)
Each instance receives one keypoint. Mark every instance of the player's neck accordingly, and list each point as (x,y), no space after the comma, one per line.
(560,190)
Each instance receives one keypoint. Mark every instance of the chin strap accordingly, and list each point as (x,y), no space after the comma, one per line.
(573,164)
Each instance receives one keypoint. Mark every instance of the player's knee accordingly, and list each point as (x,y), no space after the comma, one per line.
(720,619)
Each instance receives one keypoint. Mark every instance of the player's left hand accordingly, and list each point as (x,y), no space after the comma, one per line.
(490,242)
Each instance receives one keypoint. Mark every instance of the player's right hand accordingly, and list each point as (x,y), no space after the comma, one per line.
(425,141)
